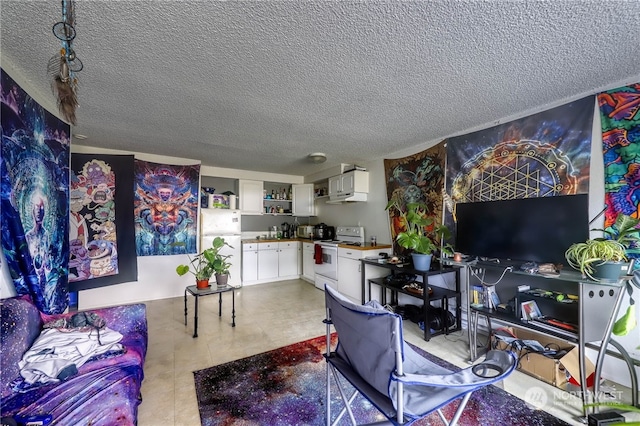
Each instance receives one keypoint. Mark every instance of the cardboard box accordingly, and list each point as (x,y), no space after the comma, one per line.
(553,371)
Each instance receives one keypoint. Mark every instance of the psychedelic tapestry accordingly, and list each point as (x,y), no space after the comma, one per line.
(620,117)
(101,232)
(34,198)
(165,208)
(542,155)
(418,178)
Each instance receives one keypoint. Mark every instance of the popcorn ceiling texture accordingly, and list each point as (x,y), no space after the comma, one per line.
(258,85)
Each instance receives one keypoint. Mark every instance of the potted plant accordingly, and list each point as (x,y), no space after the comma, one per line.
(220,262)
(605,258)
(206,263)
(420,235)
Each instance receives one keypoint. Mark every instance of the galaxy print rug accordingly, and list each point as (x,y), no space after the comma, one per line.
(286,386)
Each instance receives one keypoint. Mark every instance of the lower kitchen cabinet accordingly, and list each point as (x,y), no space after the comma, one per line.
(288,259)
(249,263)
(308,262)
(270,261)
(350,267)
(267,261)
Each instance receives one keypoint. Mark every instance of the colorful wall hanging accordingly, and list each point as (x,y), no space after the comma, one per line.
(542,155)
(165,208)
(418,178)
(101,234)
(620,117)
(34,196)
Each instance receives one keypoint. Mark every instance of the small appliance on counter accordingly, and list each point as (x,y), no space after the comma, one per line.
(286,230)
(323,232)
(305,231)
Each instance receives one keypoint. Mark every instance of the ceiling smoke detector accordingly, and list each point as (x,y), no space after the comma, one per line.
(317,157)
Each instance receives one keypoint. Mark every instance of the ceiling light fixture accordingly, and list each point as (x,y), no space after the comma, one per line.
(317,157)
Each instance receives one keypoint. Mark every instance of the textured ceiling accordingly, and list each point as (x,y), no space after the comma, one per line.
(258,85)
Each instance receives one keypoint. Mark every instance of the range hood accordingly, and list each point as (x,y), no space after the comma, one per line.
(349,197)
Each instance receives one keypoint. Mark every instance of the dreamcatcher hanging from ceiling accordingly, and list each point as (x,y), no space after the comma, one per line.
(63,66)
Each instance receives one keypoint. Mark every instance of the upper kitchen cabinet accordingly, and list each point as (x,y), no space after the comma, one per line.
(350,186)
(304,203)
(251,194)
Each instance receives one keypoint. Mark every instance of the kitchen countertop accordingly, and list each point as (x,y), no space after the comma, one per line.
(365,247)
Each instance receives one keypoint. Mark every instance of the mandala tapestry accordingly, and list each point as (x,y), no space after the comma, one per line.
(34,198)
(165,208)
(101,234)
(542,155)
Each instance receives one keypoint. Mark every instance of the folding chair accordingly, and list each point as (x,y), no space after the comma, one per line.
(403,385)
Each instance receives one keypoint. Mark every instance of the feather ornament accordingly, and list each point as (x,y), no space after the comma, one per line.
(63,86)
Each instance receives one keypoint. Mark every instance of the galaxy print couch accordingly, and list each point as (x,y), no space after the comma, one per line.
(105,390)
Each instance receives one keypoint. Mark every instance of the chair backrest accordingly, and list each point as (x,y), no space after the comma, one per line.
(369,337)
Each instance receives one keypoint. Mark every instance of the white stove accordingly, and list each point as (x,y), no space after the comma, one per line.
(349,235)
(326,272)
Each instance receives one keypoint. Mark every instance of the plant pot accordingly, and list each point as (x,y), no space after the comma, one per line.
(421,262)
(202,284)
(610,271)
(222,279)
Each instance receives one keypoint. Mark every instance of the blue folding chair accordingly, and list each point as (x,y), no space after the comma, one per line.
(403,385)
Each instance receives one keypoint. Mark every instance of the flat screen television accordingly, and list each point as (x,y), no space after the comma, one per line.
(527,229)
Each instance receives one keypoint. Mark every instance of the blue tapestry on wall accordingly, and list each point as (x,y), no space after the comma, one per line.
(34,195)
(165,208)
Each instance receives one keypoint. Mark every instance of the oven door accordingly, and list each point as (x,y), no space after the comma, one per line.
(329,266)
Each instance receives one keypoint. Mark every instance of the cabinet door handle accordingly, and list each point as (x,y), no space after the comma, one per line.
(360,267)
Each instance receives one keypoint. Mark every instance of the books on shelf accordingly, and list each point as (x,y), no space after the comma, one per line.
(492,297)
(530,310)
(484,297)
(477,296)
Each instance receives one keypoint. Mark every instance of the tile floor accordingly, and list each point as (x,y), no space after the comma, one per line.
(270,316)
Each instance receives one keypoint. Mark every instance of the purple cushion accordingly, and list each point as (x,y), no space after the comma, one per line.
(106,391)
(21,325)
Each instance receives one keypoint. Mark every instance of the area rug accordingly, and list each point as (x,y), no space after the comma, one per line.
(287,386)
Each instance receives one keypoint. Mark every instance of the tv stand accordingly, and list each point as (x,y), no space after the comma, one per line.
(598,305)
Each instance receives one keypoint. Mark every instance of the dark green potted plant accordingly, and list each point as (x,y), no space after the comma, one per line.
(200,266)
(598,256)
(420,235)
(208,262)
(220,262)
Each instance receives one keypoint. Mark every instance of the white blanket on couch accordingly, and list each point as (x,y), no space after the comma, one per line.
(55,349)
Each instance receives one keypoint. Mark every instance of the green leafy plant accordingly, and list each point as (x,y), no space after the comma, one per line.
(208,262)
(420,234)
(625,230)
(624,240)
(584,256)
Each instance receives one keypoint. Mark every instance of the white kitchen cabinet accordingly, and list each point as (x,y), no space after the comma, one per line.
(335,185)
(349,183)
(304,203)
(288,259)
(249,263)
(251,195)
(272,261)
(308,262)
(267,261)
(350,267)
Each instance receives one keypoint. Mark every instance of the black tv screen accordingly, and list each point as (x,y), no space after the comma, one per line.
(527,229)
